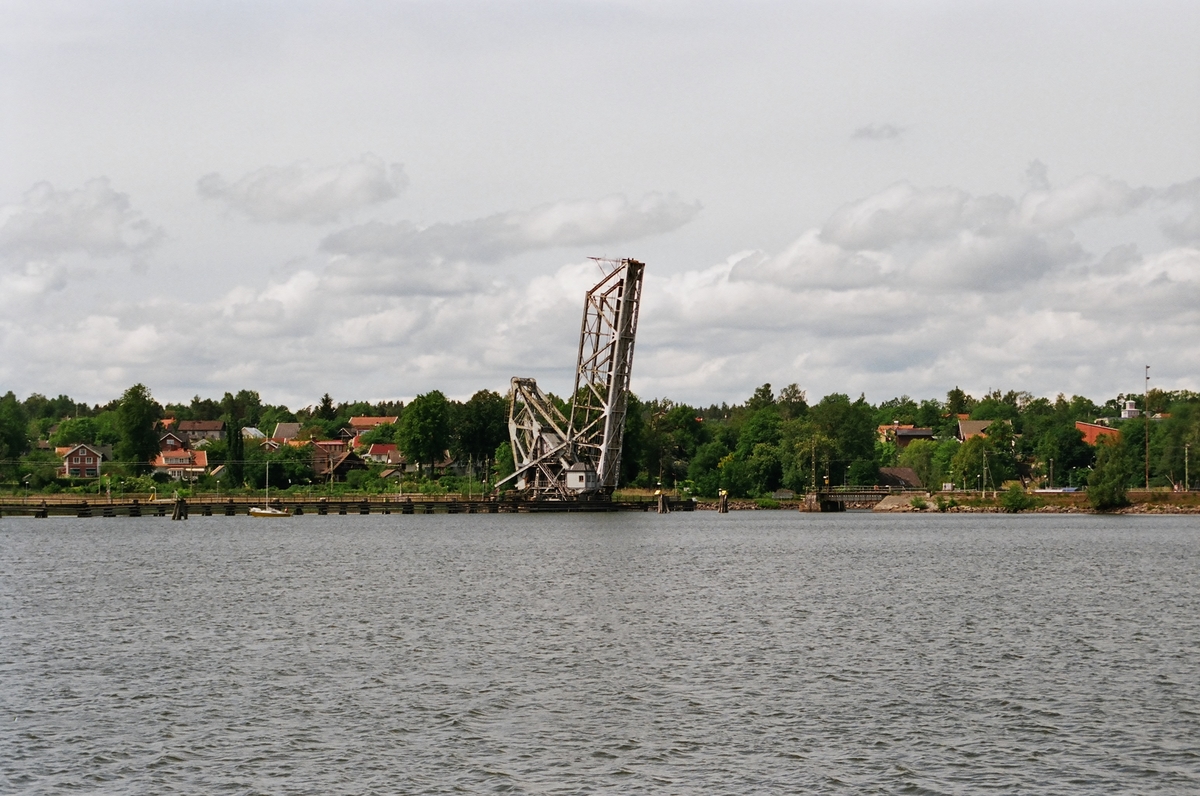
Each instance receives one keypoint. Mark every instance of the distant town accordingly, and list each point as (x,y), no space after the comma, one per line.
(771,446)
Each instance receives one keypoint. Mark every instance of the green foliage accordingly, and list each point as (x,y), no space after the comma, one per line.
(863,472)
(14,432)
(1106,485)
(505,466)
(633,447)
(40,468)
(73,431)
(792,402)
(767,503)
(384,433)
(958,402)
(235,462)
(735,477)
(480,425)
(918,503)
(1015,499)
(918,455)
(290,465)
(137,418)
(762,398)
(945,504)
(969,459)
(424,433)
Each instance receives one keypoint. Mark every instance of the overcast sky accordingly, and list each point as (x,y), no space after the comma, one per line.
(379,199)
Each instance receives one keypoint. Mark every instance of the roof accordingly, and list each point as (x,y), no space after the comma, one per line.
(201,425)
(98,450)
(286,430)
(899,476)
(252,433)
(380,448)
(184,459)
(365,421)
(972,428)
(914,432)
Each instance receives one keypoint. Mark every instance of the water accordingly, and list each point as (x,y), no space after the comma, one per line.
(753,652)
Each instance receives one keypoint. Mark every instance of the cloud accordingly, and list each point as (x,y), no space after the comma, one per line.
(93,220)
(302,193)
(911,289)
(1186,229)
(877,132)
(613,219)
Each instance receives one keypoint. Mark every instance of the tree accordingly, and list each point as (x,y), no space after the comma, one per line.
(762,397)
(73,431)
(918,455)
(14,434)
(481,424)
(958,402)
(245,407)
(792,402)
(633,445)
(1106,485)
(236,462)
(424,432)
(326,410)
(137,418)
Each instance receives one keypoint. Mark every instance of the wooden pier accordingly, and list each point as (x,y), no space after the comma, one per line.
(209,506)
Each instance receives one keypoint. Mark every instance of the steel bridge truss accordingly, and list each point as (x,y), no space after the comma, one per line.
(579,458)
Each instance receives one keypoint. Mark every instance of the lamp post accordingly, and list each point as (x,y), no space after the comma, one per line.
(1187,452)
(1146,405)
(1051,472)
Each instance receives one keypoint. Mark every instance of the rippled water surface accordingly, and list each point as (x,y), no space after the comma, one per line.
(751,652)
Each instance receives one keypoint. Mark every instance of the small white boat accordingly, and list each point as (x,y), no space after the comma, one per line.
(266,510)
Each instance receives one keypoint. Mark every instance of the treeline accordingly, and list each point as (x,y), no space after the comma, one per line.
(771,442)
(749,449)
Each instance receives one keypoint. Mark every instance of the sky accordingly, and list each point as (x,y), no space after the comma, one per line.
(379,199)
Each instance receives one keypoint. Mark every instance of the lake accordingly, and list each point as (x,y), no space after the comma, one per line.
(750,652)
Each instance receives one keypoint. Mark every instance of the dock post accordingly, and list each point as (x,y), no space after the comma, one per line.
(664,504)
(723,503)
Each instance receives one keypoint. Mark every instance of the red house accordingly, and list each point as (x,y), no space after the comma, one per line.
(82,461)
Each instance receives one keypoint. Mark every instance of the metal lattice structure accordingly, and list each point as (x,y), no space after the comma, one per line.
(563,459)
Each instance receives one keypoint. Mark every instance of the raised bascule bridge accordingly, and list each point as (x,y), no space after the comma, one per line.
(578,458)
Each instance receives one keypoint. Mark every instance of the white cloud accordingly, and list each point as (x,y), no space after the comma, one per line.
(303,193)
(94,220)
(878,132)
(613,219)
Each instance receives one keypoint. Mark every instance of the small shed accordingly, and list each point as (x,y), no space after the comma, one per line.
(581,477)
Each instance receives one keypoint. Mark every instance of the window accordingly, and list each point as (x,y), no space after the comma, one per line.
(89,460)
(75,460)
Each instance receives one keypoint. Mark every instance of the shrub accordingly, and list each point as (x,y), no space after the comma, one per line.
(767,503)
(944,504)
(1014,499)
(918,503)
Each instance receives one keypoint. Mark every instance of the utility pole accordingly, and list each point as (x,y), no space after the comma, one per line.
(1187,452)
(1146,406)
